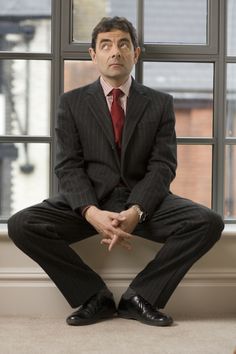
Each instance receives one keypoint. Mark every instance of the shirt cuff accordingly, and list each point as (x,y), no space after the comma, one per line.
(84,209)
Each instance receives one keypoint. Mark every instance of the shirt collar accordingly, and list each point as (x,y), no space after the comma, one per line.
(124,87)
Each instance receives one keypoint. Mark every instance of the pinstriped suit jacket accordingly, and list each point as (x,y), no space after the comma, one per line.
(88,166)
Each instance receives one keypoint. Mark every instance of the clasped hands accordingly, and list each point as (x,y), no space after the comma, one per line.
(114,228)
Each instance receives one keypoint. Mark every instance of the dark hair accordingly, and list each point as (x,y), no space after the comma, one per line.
(107,24)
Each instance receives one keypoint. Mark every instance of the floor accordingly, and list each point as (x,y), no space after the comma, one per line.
(117,336)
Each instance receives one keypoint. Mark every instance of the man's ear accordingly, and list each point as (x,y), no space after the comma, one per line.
(137,52)
(92,54)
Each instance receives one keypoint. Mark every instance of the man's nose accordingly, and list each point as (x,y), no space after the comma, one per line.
(115,52)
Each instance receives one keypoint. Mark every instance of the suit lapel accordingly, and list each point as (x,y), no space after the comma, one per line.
(98,107)
(137,102)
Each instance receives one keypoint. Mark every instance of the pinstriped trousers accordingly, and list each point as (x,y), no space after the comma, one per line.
(186,229)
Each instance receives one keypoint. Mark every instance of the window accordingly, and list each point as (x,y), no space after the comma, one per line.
(25,104)
(230,124)
(44,51)
(176,22)
(231,38)
(191,85)
(87,13)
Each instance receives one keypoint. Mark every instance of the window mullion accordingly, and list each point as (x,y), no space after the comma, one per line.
(219,115)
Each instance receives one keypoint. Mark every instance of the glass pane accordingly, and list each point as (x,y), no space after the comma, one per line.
(230,181)
(231,101)
(79,73)
(231,28)
(191,84)
(24,97)
(194,173)
(24,176)
(25,26)
(175,21)
(87,13)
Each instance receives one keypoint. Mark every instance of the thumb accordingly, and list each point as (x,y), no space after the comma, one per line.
(115,222)
(121,216)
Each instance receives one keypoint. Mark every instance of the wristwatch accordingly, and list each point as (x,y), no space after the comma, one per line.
(142,215)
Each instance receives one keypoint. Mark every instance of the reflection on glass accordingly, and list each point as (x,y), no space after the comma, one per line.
(175,21)
(87,13)
(230,181)
(191,84)
(231,27)
(194,174)
(231,101)
(25,26)
(24,176)
(24,97)
(79,73)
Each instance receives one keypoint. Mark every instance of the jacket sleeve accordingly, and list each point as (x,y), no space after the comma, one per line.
(74,183)
(150,191)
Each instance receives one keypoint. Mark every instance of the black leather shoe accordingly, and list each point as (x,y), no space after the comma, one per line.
(99,307)
(137,308)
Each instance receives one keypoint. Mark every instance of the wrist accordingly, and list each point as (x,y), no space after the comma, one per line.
(134,213)
(90,209)
(141,214)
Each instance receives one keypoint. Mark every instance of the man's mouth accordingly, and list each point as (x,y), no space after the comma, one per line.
(115,64)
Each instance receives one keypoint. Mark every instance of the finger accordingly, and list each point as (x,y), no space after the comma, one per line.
(113,242)
(126,245)
(113,215)
(111,231)
(121,217)
(105,241)
(115,222)
(124,235)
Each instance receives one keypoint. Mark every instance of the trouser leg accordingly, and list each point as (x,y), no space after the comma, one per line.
(44,233)
(188,230)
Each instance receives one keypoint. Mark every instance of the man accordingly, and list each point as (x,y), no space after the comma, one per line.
(115,162)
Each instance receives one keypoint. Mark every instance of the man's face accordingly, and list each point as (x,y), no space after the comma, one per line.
(115,56)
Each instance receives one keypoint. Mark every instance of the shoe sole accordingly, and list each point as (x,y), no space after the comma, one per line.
(85,322)
(157,324)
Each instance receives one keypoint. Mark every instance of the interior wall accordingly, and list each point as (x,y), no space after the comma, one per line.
(209,288)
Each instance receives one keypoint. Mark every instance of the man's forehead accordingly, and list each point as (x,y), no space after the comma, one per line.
(113,35)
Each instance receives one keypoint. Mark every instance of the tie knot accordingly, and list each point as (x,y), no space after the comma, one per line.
(116,93)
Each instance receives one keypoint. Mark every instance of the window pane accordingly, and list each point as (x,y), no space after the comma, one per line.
(24,97)
(24,176)
(191,84)
(87,13)
(194,173)
(175,21)
(79,73)
(231,101)
(25,26)
(231,28)
(230,181)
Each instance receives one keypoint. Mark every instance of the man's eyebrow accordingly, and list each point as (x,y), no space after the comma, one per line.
(104,40)
(124,40)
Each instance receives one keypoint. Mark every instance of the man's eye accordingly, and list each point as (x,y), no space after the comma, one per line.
(105,46)
(124,45)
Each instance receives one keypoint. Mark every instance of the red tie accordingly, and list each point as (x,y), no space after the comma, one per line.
(117,115)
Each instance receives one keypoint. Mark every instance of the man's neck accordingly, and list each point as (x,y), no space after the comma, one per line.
(115,83)
(125,87)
